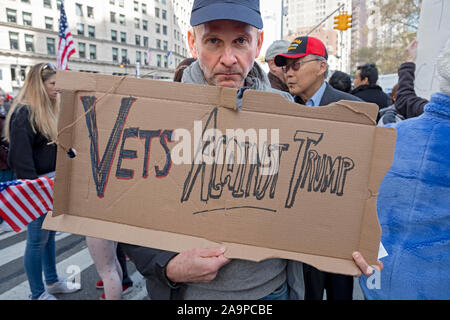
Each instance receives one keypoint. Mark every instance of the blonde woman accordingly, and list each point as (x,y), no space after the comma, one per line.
(30,124)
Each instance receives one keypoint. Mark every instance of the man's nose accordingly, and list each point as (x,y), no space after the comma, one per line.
(228,57)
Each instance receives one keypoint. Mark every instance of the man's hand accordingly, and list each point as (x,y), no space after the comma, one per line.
(363,266)
(411,51)
(196,265)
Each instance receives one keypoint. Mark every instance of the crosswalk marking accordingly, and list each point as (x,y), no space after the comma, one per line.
(6,235)
(17,250)
(81,259)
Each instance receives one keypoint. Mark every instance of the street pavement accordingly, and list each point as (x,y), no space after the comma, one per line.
(73,261)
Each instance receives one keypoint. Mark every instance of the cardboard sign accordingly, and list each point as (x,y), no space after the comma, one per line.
(164,165)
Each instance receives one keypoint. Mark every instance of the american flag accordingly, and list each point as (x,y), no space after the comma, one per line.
(149,56)
(22,201)
(66,46)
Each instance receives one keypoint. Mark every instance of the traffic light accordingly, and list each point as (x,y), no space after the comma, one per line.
(339,22)
(342,21)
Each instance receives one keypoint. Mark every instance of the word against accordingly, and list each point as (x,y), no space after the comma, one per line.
(232,309)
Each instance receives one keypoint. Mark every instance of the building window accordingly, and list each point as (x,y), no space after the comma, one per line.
(138,56)
(164,14)
(138,40)
(51,46)
(115,55)
(146,42)
(121,3)
(137,23)
(13,73)
(82,50)
(158,43)
(92,51)
(90,12)
(58,4)
(29,43)
(49,23)
(91,31)
(80,29)
(166,64)
(11,15)
(158,28)
(79,9)
(165,45)
(26,18)
(112,16)
(123,37)
(14,40)
(163,1)
(158,60)
(113,35)
(136,6)
(48,4)
(113,2)
(144,8)
(26,1)
(124,56)
(144,25)
(122,19)
(157,12)
(164,30)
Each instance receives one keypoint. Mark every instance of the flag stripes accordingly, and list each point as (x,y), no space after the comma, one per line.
(25,202)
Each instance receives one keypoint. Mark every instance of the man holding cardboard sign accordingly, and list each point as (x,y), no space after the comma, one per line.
(225,39)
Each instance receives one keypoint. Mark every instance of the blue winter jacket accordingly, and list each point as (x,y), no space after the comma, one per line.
(414,210)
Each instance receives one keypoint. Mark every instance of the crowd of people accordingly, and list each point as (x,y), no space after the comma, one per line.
(225,39)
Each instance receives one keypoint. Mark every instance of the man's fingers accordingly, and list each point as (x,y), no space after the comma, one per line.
(211,252)
(362,264)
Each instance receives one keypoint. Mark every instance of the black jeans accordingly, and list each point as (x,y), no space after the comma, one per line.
(338,286)
(123,264)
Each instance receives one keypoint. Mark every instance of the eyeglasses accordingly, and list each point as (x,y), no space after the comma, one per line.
(296,65)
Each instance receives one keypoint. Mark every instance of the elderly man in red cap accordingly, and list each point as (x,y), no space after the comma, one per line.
(305,67)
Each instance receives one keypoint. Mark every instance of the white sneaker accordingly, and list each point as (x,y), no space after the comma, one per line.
(62,286)
(45,296)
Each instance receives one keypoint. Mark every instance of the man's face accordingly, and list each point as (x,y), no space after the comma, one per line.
(226,51)
(310,73)
(358,81)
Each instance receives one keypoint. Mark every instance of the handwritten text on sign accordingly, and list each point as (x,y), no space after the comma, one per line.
(244,167)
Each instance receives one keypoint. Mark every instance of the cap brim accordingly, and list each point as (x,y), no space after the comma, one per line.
(226,11)
(281,59)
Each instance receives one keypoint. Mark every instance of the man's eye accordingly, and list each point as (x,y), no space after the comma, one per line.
(213,40)
(241,40)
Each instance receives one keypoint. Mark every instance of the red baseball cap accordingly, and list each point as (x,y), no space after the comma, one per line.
(300,47)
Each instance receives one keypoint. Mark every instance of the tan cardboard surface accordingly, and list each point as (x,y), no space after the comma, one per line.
(145,199)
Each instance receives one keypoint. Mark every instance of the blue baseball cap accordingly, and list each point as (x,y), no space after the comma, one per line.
(246,11)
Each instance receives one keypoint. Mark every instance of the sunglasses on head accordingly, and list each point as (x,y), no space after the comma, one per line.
(49,65)
(296,65)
